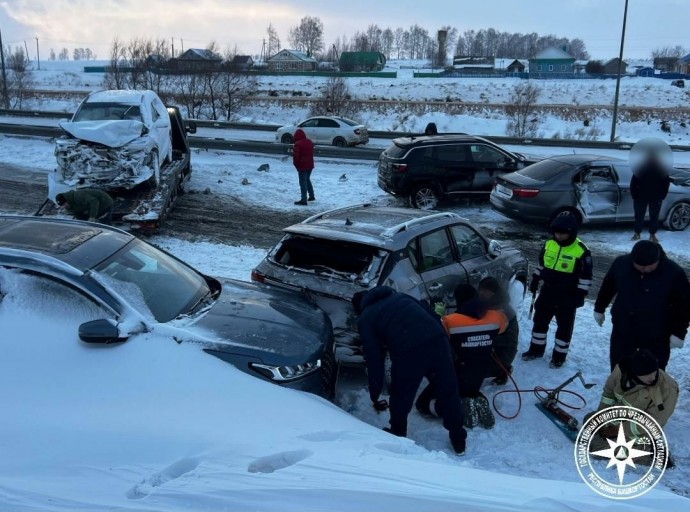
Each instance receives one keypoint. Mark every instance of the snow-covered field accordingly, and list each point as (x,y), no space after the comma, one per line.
(635,92)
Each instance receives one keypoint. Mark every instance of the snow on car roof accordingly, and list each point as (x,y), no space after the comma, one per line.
(119,96)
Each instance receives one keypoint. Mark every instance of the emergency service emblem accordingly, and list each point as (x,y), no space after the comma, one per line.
(621,452)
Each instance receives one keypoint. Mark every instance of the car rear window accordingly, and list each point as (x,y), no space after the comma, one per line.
(341,259)
(545,170)
(347,121)
(395,151)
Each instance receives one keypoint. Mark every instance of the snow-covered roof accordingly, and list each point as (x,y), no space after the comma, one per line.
(199,53)
(611,61)
(554,53)
(685,59)
(297,54)
(506,63)
(126,97)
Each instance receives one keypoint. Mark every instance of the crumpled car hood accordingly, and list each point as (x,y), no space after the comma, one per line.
(114,134)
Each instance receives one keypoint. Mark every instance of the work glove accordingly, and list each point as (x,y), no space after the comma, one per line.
(534,286)
(599,318)
(380,405)
(440,309)
(92,219)
(676,342)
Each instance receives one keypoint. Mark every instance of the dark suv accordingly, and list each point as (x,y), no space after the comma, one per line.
(427,169)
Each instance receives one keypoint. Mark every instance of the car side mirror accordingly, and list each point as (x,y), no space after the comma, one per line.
(191,127)
(102,332)
(495,249)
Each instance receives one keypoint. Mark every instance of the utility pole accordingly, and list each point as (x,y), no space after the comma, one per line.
(4,76)
(38,57)
(618,78)
(182,45)
(26,47)
(172,40)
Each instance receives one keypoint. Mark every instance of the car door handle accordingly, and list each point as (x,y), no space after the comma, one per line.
(434,287)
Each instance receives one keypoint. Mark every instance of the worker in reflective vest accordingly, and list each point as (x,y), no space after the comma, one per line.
(565,269)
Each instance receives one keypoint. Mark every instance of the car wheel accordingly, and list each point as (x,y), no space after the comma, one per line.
(678,217)
(154,164)
(287,139)
(339,142)
(424,197)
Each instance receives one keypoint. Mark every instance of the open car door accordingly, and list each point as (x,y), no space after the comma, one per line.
(598,193)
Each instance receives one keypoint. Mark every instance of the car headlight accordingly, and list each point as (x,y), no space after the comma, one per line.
(286,373)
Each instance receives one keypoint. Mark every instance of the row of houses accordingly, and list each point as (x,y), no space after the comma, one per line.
(200,60)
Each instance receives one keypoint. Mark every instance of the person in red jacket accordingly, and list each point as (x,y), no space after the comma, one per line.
(303,160)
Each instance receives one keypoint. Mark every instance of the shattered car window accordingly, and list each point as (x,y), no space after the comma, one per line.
(108,112)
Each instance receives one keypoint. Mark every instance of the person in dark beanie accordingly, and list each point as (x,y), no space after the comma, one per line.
(565,269)
(414,337)
(506,343)
(87,204)
(637,381)
(431,129)
(303,160)
(472,330)
(648,188)
(652,303)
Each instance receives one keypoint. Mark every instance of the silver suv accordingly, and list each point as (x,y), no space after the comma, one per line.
(335,254)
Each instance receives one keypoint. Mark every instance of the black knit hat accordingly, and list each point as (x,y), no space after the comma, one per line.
(642,362)
(464,293)
(565,222)
(490,284)
(645,252)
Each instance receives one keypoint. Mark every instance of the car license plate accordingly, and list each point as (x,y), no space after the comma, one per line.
(504,191)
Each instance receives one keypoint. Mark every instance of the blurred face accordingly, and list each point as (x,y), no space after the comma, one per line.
(560,236)
(648,379)
(646,269)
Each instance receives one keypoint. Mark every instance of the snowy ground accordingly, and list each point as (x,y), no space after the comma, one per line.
(635,92)
(151,424)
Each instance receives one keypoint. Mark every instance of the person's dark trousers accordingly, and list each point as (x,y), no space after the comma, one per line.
(434,362)
(640,206)
(545,309)
(624,343)
(305,186)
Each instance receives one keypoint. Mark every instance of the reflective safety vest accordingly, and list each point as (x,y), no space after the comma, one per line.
(563,259)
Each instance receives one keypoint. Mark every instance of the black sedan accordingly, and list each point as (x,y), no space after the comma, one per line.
(275,335)
(595,188)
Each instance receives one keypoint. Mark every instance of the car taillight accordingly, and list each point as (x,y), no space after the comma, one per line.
(399,167)
(356,131)
(525,192)
(258,277)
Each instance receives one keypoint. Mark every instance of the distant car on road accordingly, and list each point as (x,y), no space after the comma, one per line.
(595,188)
(333,255)
(115,140)
(333,130)
(275,335)
(428,169)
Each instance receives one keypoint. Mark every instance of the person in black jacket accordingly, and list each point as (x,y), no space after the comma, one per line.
(652,304)
(413,335)
(506,344)
(431,129)
(648,189)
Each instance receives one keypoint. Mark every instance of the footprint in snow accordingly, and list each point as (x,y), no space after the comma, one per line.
(278,461)
(172,472)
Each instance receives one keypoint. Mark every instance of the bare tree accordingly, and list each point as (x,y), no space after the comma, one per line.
(387,42)
(335,99)
(399,36)
(52,54)
(115,77)
(273,41)
(521,110)
(307,36)
(19,77)
(64,54)
(668,52)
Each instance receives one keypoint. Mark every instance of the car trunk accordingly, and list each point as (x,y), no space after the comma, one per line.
(332,271)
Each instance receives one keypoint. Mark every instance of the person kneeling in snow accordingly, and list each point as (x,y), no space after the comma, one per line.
(506,344)
(637,381)
(412,334)
(472,330)
(87,204)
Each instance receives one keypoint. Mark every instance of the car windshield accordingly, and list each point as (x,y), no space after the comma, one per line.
(347,121)
(169,288)
(545,170)
(108,112)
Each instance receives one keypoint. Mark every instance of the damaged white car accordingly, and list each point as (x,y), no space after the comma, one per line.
(115,140)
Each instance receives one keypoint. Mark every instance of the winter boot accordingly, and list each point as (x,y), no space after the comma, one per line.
(501,380)
(636,236)
(301,203)
(557,359)
(653,238)
(395,432)
(312,198)
(458,444)
(534,352)
(485,417)
(469,412)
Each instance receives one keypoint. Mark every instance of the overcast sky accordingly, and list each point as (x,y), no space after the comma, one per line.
(94,23)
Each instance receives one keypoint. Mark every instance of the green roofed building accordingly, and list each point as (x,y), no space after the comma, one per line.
(362,61)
